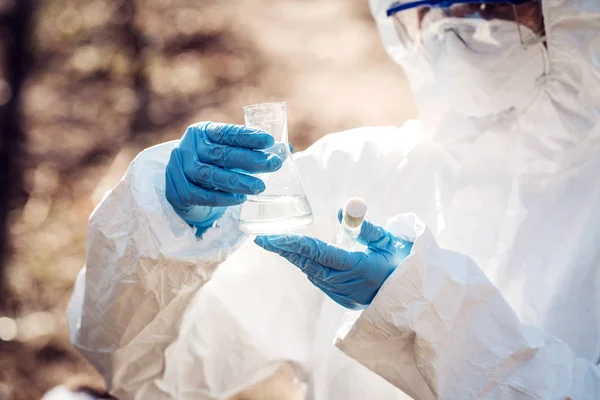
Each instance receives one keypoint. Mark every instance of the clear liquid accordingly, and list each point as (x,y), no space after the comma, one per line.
(268,215)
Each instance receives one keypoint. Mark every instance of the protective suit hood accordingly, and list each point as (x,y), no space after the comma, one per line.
(565,93)
(520,167)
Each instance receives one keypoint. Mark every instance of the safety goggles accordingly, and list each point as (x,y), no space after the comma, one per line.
(413,17)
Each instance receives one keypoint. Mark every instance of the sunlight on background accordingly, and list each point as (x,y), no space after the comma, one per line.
(112,77)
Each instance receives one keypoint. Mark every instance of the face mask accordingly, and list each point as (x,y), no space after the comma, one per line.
(481,68)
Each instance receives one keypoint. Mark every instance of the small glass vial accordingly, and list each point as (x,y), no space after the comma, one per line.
(353,215)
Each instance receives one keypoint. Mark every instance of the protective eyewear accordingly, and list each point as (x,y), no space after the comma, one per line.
(413,17)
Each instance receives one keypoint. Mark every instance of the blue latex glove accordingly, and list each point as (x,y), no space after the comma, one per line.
(351,279)
(208,170)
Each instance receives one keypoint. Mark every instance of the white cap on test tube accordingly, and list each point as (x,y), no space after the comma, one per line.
(354,213)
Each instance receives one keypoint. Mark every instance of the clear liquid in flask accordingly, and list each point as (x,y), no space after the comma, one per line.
(267,215)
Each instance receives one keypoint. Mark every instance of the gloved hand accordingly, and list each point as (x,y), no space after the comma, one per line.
(207,170)
(351,279)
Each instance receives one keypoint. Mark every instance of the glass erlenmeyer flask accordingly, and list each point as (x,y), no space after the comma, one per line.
(283,206)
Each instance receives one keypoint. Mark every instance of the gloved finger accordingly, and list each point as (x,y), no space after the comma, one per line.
(263,241)
(371,233)
(323,283)
(202,217)
(368,232)
(377,238)
(309,267)
(341,300)
(185,194)
(315,249)
(253,161)
(291,148)
(221,179)
(237,135)
(315,270)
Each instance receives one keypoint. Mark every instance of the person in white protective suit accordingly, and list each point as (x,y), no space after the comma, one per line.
(500,295)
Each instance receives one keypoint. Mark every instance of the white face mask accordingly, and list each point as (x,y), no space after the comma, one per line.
(481,67)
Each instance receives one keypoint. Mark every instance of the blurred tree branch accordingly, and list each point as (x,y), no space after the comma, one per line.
(15,33)
(140,122)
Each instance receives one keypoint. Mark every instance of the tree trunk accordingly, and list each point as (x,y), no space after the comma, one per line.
(15,20)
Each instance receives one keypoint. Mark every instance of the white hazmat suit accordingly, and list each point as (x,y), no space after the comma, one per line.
(499,299)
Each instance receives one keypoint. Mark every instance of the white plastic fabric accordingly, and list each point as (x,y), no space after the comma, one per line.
(64,393)
(500,297)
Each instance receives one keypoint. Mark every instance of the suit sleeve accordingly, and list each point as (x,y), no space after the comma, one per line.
(439,329)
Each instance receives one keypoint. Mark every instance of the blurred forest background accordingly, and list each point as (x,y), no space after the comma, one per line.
(86,84)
